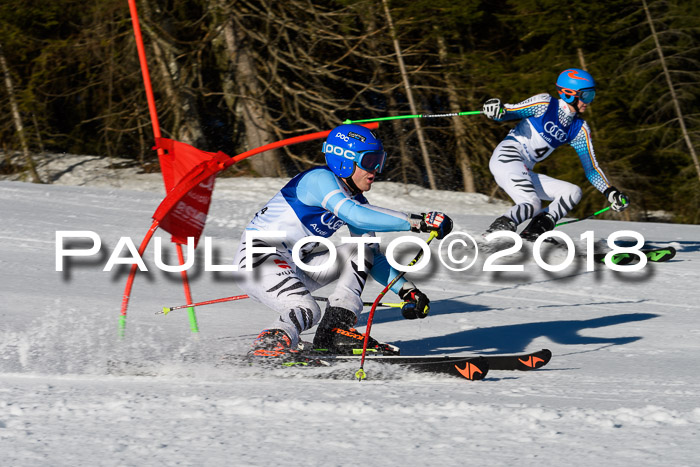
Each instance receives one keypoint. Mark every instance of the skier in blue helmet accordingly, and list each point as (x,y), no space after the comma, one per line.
(574,84)
(545,124)
(317,203)
(350,146)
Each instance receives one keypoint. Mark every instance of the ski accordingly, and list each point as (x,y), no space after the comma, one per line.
(471,367)
(520,362)
(656,255)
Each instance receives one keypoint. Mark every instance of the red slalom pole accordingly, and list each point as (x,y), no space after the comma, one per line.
(130,279)
(144,71)
(156,133)
(287,142)
(360,374)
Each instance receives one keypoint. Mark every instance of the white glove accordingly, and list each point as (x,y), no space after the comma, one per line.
(493,109)
(618,200)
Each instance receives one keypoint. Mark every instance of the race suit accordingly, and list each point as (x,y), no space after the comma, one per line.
(315,203)
(546,124)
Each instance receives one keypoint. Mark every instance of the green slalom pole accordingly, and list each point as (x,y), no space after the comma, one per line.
(400,117)
(194,327)
(122,326)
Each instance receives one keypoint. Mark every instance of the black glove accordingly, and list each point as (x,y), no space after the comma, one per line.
(417,303)
(618,200)
(427,222)
(493,109)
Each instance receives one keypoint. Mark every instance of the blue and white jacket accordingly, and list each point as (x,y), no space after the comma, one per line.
(318,203)
(548,123)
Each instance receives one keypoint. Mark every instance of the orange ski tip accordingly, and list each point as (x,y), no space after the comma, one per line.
(531,361)
(469,370)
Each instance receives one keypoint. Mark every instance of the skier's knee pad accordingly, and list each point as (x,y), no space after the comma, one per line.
(575,195)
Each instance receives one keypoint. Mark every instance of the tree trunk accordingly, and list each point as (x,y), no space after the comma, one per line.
(403,149)
(460,131)
(18,119)
(676,105)
(387,86)
(186,125)
(583,66)
(411,103)
(249,99)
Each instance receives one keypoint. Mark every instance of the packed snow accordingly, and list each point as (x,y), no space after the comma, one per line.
(621,389)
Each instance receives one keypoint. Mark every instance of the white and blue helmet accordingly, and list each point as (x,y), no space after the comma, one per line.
(350,145)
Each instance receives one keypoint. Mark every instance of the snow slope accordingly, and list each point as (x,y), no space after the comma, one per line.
(622,388)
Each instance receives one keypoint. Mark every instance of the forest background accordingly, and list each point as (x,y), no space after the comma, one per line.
(232,75)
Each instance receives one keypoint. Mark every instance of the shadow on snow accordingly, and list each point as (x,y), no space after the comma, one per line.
(516,337)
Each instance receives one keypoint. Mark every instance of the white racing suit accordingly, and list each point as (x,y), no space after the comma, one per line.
(546,124)
(314,203)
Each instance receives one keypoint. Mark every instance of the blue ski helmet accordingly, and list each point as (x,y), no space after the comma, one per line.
(348,145)
(575,83)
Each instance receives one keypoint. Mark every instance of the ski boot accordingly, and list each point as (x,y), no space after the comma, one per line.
(275,346)
(502,223)
(541,223)
(271,343)
(335,335)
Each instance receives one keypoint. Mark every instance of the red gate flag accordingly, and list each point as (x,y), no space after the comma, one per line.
(189,174)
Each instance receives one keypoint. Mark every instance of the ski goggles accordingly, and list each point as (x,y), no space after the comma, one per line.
(371,160)
(584,95)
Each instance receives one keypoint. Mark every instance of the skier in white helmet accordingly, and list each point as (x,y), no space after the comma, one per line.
(318,202)
(545,124)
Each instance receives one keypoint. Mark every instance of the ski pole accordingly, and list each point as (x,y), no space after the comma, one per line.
(360,374)
(399,117)
(584,218)
(392,305)
(167,310)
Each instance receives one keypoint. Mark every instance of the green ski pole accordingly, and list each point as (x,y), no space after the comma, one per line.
(399,117)
(584,218)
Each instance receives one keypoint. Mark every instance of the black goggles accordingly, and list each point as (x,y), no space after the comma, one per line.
(371,160)
(586,95)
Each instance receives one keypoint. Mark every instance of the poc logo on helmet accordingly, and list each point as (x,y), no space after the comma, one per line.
(345,138)
(556,132)
(338,151)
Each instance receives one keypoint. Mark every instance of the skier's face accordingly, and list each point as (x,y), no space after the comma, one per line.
(363,179)
(580,106)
